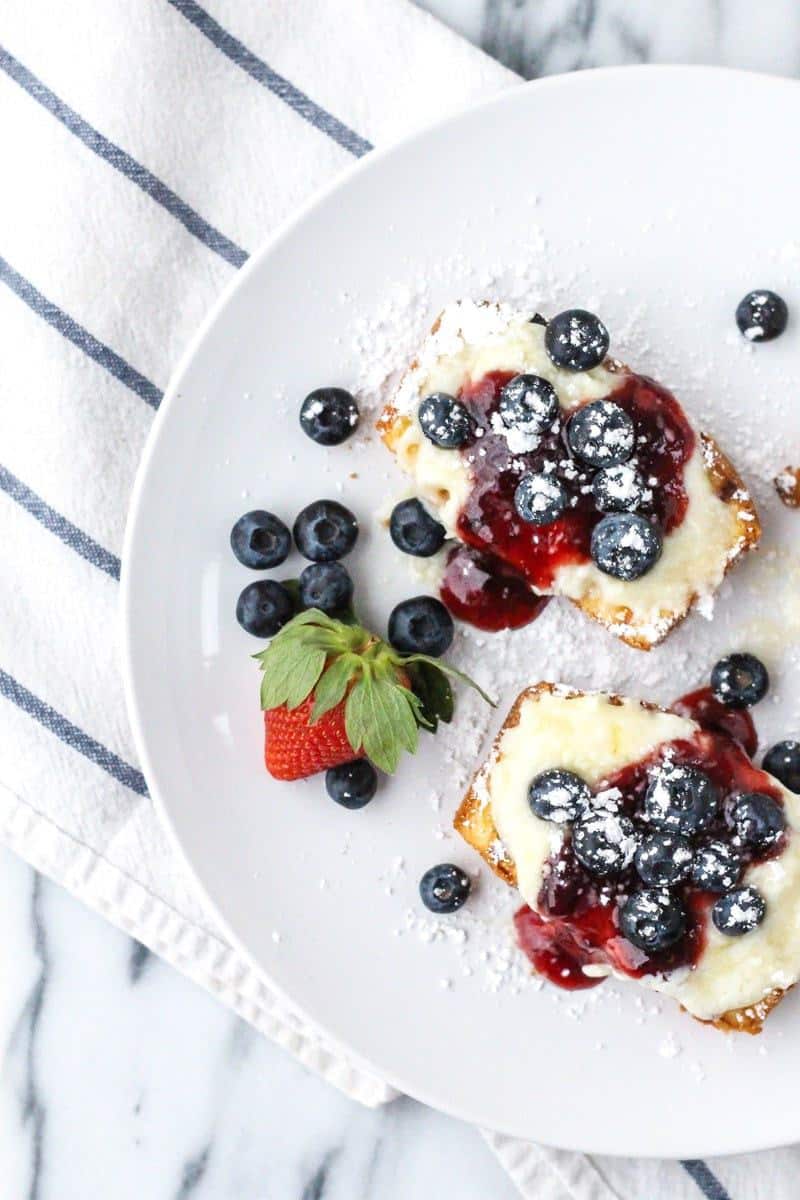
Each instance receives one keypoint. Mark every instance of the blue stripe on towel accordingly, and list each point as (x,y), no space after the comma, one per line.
(705,1179)
(71,735)
(302,104)
(79,336)
(123,162)
(70,534)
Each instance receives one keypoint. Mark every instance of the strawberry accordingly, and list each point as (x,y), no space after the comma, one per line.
(332,691)
(294,748)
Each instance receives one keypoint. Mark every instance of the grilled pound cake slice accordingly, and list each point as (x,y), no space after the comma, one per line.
(670,482)
(613,818)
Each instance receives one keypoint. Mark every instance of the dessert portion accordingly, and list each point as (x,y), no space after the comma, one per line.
(646,845)
(559,471)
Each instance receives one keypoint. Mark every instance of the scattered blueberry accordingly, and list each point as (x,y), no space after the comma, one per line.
(739,680)
(604,843)
(421,625)
(652,920)
(264,607)
(329,415)
(758,819)
(444,421)
(739,912)
(325,531)
(352,784)
(538,319)
(326,586)
(783,761)
(625,546)
(414,531)
(761,315)
(619,489)
(576,340)
(444,888)
(680,799)
(260,540)
(540,499)
(601,434)
(716,867)
(558,796)
(663,859)
(528,404)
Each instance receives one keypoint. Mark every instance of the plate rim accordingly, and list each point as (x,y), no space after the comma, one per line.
(131,550)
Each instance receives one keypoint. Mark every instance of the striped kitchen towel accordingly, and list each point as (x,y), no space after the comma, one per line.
(148,148)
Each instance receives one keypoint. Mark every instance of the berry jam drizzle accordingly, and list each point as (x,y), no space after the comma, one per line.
(489,520)
(480,589)
(578,924)
(703,707)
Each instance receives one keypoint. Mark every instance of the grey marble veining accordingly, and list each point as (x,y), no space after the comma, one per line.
(121,1080)
(543,37)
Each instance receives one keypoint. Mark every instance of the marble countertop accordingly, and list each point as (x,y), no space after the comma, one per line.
(122,1079)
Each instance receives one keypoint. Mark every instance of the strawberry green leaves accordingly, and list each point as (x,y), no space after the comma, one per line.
(432,688)
(380,720)
(295,659)
(340,663)
(332,686)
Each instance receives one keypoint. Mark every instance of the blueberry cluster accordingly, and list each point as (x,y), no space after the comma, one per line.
(665,846)
(599,442)
(324,532)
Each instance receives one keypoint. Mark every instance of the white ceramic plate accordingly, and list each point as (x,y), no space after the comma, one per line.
(656,197)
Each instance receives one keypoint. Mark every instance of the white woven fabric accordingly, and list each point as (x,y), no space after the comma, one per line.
(148,148)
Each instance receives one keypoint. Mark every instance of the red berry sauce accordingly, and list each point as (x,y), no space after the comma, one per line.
(703,707)
(577,919)
(489,521)
(480,589)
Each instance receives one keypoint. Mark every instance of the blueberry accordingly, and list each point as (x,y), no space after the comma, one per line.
(625,546)
(329,415)
(538,319)
(421,625)
(444,421)
(540,499)
(326,586)
(263,608)
(717,867)
(352,784)
(663,859)
(601,434)
(619,489)
(652,920)
(680,799)
(576,340)
(604,843)
(528,404)
(739,680)
(783,761)
(558,796)
(325,531)
(260,540)
(739,912)
(444,888)
(758,819)
(414,531)
(761,315)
